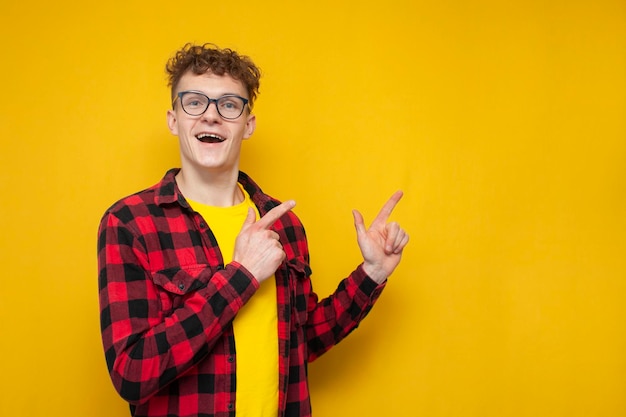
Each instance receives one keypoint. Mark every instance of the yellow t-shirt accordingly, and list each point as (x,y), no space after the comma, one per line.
(256,324)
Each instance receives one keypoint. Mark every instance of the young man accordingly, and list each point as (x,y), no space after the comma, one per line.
(207,307)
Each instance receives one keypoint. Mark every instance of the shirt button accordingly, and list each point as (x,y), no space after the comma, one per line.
(231,406)
(181,286)
(231,359)
(220,267)
(202,225)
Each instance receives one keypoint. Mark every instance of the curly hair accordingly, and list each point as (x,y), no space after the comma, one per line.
(200,59)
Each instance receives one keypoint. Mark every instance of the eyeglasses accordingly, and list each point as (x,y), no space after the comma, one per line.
(195,103)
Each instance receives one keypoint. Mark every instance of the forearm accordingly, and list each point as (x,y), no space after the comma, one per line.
(148,349)
(333,318)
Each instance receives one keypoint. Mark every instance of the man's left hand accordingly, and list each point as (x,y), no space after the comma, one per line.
(382,244)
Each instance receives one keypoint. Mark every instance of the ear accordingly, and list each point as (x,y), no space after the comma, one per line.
(172,122)
(250,126)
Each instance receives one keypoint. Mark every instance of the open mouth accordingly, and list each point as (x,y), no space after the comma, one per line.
(210,138)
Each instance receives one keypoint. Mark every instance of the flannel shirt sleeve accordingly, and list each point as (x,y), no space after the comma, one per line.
(333,318)
(325,322)
(146,349)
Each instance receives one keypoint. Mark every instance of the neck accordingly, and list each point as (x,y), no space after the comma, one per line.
(212,189)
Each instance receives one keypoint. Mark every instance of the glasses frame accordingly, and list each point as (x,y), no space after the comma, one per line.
(180,95)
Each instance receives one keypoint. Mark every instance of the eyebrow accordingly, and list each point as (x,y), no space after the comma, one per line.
(202,92)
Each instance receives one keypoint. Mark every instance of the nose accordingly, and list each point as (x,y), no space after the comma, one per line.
(211,113)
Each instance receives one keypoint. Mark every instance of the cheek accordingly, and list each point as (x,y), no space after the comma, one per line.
(182,128)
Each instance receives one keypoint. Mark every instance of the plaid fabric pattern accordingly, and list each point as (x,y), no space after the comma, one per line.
(167,302)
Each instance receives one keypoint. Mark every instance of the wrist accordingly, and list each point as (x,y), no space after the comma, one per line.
(376,274)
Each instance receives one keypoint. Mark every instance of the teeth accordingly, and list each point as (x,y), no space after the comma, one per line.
(205,136)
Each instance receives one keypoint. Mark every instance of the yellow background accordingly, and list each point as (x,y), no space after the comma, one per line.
(503,122)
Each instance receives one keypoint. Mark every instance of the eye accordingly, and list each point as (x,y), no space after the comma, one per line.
(230,103)
(194,101)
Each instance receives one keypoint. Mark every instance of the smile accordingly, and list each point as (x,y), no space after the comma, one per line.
(210,138)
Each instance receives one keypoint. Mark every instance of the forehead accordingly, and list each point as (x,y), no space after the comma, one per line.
(211,84)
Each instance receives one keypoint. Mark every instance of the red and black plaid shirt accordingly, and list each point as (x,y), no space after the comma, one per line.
(167,303)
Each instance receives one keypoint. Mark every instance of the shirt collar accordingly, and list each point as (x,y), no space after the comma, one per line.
(167,191)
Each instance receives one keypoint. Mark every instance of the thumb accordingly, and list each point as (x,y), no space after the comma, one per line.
(250,219)
(359,225)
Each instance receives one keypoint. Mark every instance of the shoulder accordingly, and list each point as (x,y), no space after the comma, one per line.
(132,206)
(146,202)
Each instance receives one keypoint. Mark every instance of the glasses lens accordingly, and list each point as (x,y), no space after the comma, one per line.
(230,107)
(195,104)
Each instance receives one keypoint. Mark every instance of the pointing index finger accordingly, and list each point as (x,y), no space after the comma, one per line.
(387,209)
(274,214)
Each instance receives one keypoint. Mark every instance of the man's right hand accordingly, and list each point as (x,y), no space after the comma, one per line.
(257,247)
